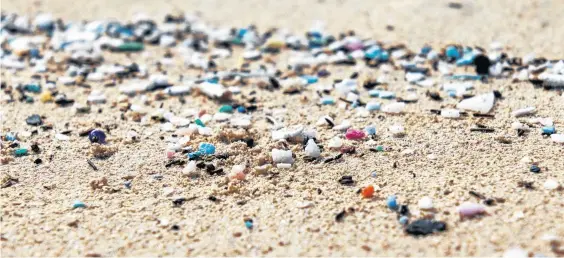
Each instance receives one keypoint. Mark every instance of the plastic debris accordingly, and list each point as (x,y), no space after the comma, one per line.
(392,202)
(469,209)
(312,150)
(423,227)
(481,103)
(97,136)
(34,120)
(282,156)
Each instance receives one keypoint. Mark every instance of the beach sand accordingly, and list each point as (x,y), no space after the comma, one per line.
(437,157)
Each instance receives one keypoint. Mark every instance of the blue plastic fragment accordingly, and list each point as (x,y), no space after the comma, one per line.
(310,79)
(241,109)
(464,77)
(370,130)
(467,59)
(392,202)
(10,137)
(194,155)
(426,49)
(452,51)
(206,148)
(249,224)
(548,130)
(403,220)
(78,204)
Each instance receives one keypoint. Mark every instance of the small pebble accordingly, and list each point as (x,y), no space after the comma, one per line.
(535,169)
(423,227)
(34,120)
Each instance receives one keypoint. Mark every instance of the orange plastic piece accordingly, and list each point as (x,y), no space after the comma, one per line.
(368,192)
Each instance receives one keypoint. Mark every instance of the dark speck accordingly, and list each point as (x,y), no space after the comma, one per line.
(454,5)
(340,216)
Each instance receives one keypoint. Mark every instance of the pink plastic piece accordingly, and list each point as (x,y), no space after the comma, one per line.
(239,176)
(353,134)
(354,46)
(469,209)
(170,154)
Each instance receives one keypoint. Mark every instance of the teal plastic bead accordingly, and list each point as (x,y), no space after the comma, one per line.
(78,204)
(199,122)
(20,152)
(310,79)
(327,101)
(32,88)
(452,51)
(226,109)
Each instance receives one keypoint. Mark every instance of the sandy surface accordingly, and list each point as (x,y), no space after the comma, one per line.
(38,219)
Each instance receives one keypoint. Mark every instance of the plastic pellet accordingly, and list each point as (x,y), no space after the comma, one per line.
(368,192)
(354,134)
(450,113)
(403,220)
(97,136)
(548,130)
(468,209)
(226,109)
(20,152)
(249,224)
(391,202)
(78,204)
(535,169)
(370,130)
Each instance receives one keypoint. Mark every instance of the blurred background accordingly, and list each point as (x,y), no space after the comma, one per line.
(524,25)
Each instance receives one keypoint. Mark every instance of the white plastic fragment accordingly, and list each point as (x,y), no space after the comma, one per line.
(481,103)
(450,113)
(425,203)
(311,149)
(214,90)
(62,137)
(335,143)
(523,111)
(394,108)
(550,184)
(515,252)
(284,165)
(178,90)
(282,156)
(397,130)
(343,126)
(557,138)
(414,77)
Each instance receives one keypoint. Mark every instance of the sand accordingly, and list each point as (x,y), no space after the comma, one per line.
(437,157)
